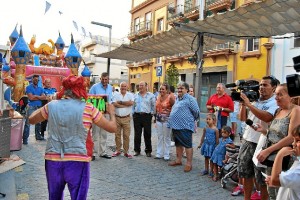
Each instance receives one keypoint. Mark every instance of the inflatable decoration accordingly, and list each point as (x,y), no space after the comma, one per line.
(13,36)
(21,55)
(27,60)
(86,73)
(73,58)
(5,74)
(43,48)
(47,71)
(60,45)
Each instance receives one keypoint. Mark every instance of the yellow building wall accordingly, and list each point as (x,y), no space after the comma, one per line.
(252,67)
(158,14)
(220,61)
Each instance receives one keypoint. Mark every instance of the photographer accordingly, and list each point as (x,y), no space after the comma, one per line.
(260,111)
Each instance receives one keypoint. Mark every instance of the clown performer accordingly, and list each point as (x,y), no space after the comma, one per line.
(69,145)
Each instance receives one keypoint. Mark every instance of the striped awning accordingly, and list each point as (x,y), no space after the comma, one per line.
(259,19)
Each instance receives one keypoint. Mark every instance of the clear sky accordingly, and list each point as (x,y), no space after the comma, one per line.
(30,13)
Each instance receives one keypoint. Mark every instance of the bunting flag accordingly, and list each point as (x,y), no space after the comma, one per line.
(48,5)
(83,31)
(75,25)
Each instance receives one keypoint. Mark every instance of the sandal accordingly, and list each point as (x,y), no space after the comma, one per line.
(174,163)
(211,174)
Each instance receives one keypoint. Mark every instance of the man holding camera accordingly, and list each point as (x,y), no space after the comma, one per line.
(222,104)
(260,111)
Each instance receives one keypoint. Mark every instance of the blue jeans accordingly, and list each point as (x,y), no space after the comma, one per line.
(30,110)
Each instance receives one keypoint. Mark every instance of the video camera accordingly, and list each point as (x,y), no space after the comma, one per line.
(249,88)
(293,80)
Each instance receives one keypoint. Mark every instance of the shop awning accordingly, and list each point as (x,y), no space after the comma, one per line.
(259,19)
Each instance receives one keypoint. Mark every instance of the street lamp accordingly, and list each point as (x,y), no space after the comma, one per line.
(109,40)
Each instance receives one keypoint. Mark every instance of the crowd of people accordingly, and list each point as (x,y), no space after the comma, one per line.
(79,135)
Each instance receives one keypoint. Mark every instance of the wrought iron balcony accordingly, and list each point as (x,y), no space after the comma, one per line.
(141,30)
(133,35)
(217,5)
(191,10)
(145,29)
(175,12)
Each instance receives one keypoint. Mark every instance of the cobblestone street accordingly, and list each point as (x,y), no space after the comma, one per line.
(122,178)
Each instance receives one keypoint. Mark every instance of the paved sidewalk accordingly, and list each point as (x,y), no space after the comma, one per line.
(122,178)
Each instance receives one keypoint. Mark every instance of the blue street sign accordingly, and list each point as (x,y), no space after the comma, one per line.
(159,71)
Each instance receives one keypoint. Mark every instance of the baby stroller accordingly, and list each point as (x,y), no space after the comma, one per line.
(229,170)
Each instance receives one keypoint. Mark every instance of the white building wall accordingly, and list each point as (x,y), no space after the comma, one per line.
(91,48)
(283,52)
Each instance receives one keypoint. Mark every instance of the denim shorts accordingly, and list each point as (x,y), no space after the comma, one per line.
(183,137)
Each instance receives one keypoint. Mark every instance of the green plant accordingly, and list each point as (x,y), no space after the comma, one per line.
(172,75)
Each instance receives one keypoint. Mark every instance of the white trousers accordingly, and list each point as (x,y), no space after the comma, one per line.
(163,141)
(99,139)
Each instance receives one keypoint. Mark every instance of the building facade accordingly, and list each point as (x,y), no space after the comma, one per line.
(227,62)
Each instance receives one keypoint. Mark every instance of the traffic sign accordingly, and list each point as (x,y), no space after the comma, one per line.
(159,71)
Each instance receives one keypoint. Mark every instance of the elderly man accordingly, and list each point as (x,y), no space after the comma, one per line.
(123,106)
(144,107)
(222,103)
(100,135)
(184,113)
(35,95)
(49,92)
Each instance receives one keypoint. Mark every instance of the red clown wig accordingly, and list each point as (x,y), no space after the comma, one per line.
(74,84)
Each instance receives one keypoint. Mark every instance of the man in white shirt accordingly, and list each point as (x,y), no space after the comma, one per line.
(123,107)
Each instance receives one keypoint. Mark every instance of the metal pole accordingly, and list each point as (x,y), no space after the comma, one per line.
(109,40)
(109,49)
(199,69)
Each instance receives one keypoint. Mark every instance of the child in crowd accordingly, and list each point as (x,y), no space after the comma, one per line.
(289,181)
(219,153)
(208,142)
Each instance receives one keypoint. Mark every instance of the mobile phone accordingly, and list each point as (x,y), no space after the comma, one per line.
(265,175)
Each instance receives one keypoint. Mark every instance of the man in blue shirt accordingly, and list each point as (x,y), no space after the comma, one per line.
(49,92)
(144,108)
(184,113)
(100,135)
(35,96)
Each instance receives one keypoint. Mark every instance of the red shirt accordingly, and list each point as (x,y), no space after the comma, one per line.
(224,101)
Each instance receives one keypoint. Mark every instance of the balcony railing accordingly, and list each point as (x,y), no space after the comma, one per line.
(188,11)
(190,6)
(191,10)
(145,29)
(217,5)
(175,12)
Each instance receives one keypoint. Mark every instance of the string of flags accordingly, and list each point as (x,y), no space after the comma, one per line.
(47,8)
